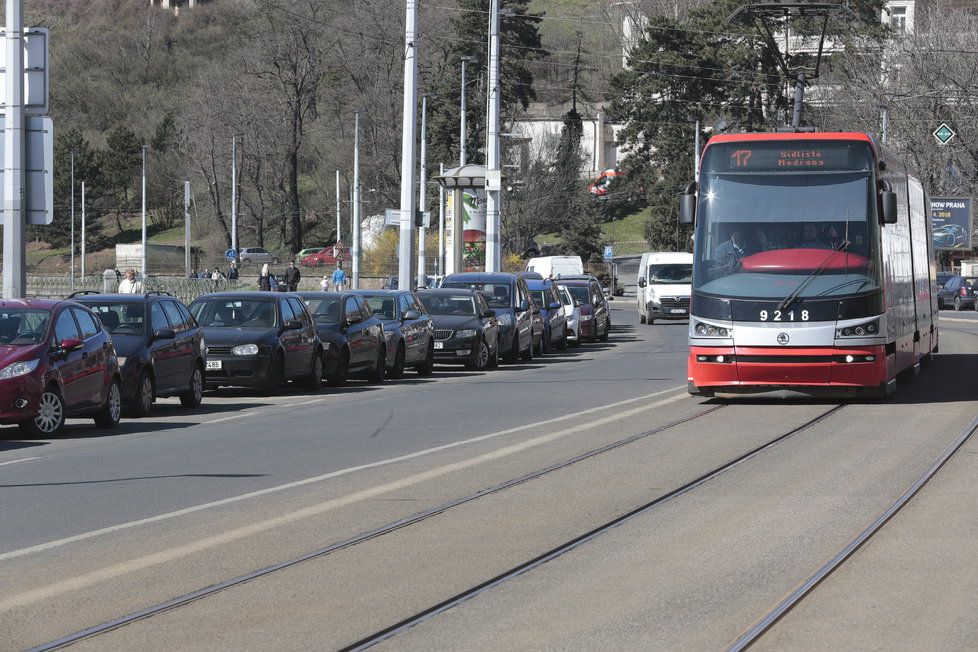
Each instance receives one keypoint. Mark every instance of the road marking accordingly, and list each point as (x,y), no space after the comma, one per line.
(326,476)
(973,322)
(287,405)
(233,416)
(177,552)
(26,459)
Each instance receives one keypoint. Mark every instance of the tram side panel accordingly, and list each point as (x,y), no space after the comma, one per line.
(922,269)
(898,279)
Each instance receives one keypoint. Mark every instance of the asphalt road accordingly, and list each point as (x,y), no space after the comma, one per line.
(99,525)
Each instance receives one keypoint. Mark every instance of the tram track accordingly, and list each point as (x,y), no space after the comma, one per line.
(529,565)
(186,599)
(793,599)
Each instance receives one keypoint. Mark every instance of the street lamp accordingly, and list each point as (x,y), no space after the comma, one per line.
(142,266)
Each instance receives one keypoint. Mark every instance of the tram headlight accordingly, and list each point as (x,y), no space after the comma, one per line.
(708,330)
(862,330)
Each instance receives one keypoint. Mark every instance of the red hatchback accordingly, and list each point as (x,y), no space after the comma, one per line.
(56,361)
(328,257)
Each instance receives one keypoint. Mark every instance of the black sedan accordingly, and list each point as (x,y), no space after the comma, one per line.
(466,329)
(409,330)
(159,345)
(259,339)
(352,337)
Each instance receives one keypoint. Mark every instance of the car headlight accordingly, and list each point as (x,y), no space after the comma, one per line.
(18,369)
(706,330)
(245,349)
(505,319)
(465,334)
(870,329)
(587,317)
(121,360)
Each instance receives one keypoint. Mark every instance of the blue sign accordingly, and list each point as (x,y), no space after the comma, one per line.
(230,254)
(951,217)
(609,252)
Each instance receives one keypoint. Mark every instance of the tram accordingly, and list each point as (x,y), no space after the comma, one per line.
(813,266)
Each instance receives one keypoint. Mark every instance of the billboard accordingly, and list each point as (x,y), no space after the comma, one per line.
(951,223)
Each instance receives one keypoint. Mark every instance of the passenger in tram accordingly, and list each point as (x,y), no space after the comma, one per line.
(811,238)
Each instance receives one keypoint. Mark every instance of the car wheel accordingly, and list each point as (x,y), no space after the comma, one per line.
(546,346)
(642,319)
(397,371)
(50,418)
(481,359)
(494,358)
(276,376)
(607,330)
(142,402)
(342,371)
(193,396)
(514,351)
(315,381)
(428,366)
(380,369)
(562,342)
(650,321)
(110,413)
(527,355)
(957,303)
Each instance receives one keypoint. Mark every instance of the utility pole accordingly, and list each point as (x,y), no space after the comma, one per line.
(234,194)
(356,201)
(187,260)
(696,153)
(142,265)
(72,220)
(14,245)
(441,224)
(423,232)
(408,136)
(463,136)
(338,225)
(83,231)
(494,197)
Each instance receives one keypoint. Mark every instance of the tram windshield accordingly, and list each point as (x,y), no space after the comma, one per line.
(771,214)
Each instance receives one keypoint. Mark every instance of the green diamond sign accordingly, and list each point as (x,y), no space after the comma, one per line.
(944,134)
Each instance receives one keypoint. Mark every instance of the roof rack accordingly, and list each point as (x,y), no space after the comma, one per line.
(82,292)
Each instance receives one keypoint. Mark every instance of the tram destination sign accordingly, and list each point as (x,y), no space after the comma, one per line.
(952,227)
(787,156)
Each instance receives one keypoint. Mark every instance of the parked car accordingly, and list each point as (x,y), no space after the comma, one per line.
(958,291)
(258,339)
(942,278)
(509,297)
(408,330)
(308,252)
(595,313)
(257,256)
(353,338)
(554,266)
(326,257)
(56,361)
(664,282)
(544,293)
(466,328)
(159,345)
(390,282)
(572,312)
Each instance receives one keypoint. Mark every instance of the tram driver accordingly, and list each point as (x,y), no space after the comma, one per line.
(729,252)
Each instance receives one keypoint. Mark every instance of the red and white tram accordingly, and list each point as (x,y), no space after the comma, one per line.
(814,268)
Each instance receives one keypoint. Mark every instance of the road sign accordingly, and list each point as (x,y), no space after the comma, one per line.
(392,217)
(609,252)
(230,254)
(944,134)
(35,71)
(38,169)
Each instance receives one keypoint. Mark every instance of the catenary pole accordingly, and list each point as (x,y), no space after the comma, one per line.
(356,202)
(72,220)
(187,261)
(441,224)
(493,181)
(14,245)
(408,136)
(462,120)
(338,219)
(142,266)
(422,201)
(83,229)
(234,194)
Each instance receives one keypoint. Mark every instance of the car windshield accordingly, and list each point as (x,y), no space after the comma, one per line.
(579,292)
(970,282)
(499,295)
(681,274)
(384,307)
(565,297)
(325,311)
(23,327)
(120,318)
(234,313)
(449,304)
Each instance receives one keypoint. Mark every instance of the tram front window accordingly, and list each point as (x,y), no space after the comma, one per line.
(761,232)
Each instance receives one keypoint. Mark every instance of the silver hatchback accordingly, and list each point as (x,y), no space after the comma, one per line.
(258,256)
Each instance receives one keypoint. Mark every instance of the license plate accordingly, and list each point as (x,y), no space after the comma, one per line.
(678,311)
(439,345)
(214,364)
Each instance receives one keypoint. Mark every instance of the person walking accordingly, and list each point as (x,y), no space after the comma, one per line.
(267,281)
(130,285)
(339,277)
(324,284)
(292,276)
(233,271)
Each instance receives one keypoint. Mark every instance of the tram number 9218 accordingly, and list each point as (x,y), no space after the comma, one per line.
(778,315)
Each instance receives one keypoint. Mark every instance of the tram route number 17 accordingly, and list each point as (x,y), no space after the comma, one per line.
(778,316)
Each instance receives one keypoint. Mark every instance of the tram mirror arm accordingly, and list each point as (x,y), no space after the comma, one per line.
(687,204)
(888,201)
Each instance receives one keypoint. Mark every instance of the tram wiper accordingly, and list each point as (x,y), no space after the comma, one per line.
(801,287)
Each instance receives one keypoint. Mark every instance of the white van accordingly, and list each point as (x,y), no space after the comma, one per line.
(554,266)
(664,280)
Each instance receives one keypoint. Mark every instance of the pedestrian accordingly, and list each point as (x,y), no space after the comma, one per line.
(193,274)
(339,277)
(292,276)
(267,281)
(324,284)
(217,276)
(203,273)
(130,285)
(233,271)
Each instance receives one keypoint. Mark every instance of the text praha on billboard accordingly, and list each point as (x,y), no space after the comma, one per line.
(951,222)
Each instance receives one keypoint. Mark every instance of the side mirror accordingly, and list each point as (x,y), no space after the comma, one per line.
(524,305)
(889,200)
(355,318)
(578,304)
(164,334)
(554,305)
(687,204)
(411,314)
(641,282)
(293,325)
(71,344)
(489,314)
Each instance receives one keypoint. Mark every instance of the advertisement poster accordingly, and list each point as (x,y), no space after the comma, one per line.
(951,222)
(474,230)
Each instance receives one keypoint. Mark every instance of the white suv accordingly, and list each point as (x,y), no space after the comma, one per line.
(257,255)
(664,281)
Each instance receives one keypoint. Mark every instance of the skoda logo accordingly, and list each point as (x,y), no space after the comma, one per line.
(783,338)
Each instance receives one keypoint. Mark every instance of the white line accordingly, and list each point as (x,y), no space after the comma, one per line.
(233,416)
(26,459)
(320,478)
(973,322)
(171,554)
(288,405)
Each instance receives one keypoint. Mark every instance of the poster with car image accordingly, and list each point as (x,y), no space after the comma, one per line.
(951,222)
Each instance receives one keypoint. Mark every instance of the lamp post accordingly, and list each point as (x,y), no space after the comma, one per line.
(234,194)
(72,220)
(463,136)
(422,202)
(408,154)
(494,198)
(83,230)
(356,201)
(441,223)
(142,266)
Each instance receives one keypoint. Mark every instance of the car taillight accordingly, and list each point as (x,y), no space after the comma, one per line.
(964,292)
